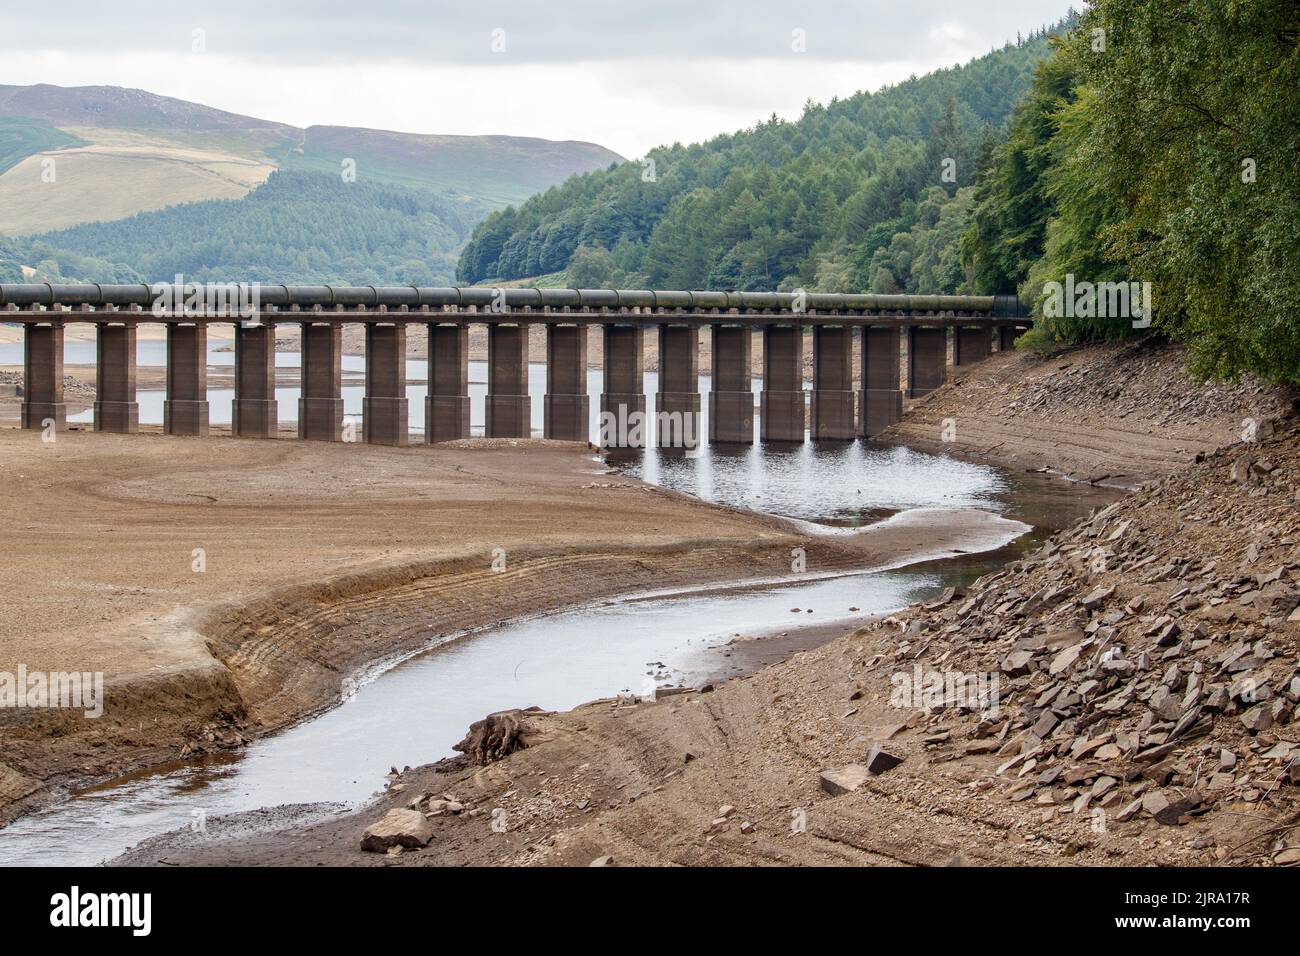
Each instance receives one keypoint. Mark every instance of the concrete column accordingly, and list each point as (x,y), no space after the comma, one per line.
(509,409)
(567,406)
(320,407)
(677,404)
(254,412)
(623,397)
(384,412)
(731,402)
(927,355)
(1007,335)
(446,407)
(781,404)
(116,409)
(832,397)
(185,409)
(881,398)
(971,344)
(43,376)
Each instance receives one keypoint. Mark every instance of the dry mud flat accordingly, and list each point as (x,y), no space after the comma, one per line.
(308,551)
(317,562)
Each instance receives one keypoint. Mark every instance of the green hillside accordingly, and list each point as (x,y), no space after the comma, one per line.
(870,192)
(21,137)
(298,227)
(496,170)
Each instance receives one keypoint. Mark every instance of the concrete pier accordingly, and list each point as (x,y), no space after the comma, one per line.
(927,358)
(446,407)
(1007,336)
(677,403)
(971,344)
(509,409)
(116,409)
(567,407)
(43,377)
(622,403)
(384,411)
(185,409)
(832,396)
(881,396)
(254,412)
(320,407)
(781,405)
(731,402)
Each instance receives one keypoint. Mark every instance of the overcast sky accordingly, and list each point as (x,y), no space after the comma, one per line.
(629,74)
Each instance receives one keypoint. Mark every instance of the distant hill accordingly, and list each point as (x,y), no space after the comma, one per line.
(498,170)
(120,151)
(870,192)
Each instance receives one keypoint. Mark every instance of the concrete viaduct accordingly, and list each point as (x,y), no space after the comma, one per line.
(837,410)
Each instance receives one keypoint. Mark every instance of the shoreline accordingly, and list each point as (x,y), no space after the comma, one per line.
(252,681)
(608,779)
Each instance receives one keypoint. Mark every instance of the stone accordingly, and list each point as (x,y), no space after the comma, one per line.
(1154,802)
(1165,705)
(1119,666)
(605,860)
(1065,659)
(844,779)
(404,828)
(1017,663)
(1045,724)
(1171,813)
(1129,811)
(1095,597)
(1257,719)
(1221,781)
(879,760)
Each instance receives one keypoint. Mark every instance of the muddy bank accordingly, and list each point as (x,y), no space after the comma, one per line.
(200,660)
(170,564)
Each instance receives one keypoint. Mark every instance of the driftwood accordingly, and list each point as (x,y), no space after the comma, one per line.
(498,735)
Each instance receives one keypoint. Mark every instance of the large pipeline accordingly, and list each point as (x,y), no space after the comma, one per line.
(27,295)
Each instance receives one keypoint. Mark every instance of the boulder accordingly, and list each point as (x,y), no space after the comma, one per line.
(404,828)
(844,779)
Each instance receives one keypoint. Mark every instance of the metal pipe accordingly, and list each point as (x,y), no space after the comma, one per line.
(97,295)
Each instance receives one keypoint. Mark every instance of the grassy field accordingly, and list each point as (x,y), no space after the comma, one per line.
(20,138)
(104,174)
(496,170)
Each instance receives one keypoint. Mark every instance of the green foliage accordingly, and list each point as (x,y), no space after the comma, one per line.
(785,204)
(1008,228)
(21,137)
(297,227)
(1158,144)
(1187,100)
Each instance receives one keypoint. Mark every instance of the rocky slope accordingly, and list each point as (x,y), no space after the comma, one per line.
(1113,414)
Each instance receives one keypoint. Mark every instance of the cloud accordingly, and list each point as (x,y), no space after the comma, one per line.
(629,75)
(557,31)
